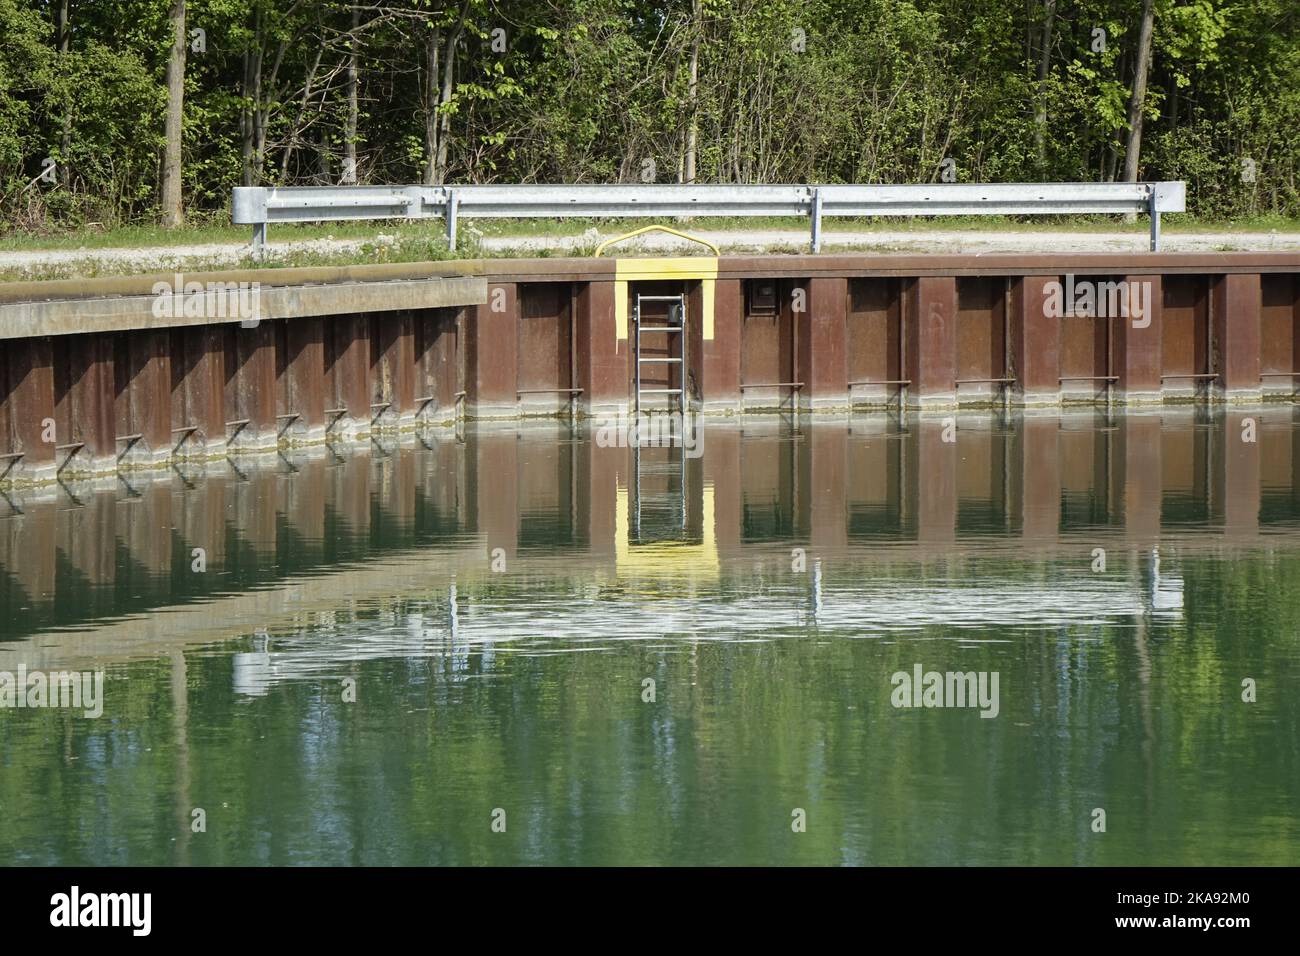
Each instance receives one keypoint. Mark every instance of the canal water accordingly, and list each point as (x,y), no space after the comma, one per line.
(517,646)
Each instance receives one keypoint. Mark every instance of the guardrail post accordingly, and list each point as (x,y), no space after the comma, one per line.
(259,239)
(452,204)
(1153,208)
(817,220)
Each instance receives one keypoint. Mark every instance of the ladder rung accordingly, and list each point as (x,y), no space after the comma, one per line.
(658,328)
(662,361)
(660,391)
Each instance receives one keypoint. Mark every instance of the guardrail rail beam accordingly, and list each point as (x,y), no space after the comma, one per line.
(259,206)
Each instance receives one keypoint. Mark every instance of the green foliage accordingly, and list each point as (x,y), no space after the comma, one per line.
(601,91)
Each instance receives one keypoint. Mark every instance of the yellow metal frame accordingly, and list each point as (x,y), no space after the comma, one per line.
(668,229)
(640,269)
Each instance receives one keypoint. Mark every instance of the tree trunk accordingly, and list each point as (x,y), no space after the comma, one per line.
(350,129)
(448,88)
(324,158)
(431,101)
(172,212)
(1044,65)
(246,124)
(1140,70)
(63,39)
(693,127)
(250,117)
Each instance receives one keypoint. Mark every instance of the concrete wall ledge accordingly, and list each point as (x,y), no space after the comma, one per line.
(124,313)
(40,290)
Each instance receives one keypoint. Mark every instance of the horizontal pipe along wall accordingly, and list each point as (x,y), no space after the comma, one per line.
(116,389)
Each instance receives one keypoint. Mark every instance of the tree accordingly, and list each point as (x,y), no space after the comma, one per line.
(693,105)
(296,91)
(354,82)
(172,210)
(1137,103)
(438,107)
(1044,65)
(63,38)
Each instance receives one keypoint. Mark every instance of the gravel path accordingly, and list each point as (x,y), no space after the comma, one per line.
(152,259)
(934,241)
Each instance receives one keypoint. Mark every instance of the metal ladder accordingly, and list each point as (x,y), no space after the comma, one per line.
(675,329)
(670,508)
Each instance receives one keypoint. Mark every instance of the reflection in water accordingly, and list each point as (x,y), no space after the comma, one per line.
(769,588)
(1166,590)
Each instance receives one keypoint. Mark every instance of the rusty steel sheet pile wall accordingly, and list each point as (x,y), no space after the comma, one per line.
(820,333)
(96,378)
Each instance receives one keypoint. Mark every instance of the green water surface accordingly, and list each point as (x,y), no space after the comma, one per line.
(349,681)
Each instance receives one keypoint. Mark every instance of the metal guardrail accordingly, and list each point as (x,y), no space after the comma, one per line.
(259,206)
